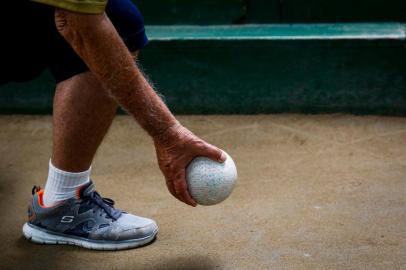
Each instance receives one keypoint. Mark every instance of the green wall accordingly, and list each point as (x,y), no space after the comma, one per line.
(203,12)
(212,12)
(348,68)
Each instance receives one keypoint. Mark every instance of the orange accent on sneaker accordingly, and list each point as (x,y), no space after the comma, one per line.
(40,194)
(41,199)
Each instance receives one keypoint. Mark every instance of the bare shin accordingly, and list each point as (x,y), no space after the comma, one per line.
(83,113)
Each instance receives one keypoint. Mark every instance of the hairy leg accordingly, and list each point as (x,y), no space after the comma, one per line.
(83,113)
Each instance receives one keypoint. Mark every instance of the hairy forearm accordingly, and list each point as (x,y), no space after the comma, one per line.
(95,40)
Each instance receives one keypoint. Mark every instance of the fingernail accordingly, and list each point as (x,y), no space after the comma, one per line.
(223,157)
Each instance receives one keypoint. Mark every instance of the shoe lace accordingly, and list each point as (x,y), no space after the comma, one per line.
(106,204)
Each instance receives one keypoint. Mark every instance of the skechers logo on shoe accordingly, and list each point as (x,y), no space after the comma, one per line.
(67,219)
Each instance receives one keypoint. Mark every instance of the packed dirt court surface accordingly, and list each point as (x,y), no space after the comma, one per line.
(314,192)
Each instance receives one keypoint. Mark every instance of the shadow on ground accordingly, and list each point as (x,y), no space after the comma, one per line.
(194,262)
(34,256)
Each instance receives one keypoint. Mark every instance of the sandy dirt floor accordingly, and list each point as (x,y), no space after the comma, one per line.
(314,192)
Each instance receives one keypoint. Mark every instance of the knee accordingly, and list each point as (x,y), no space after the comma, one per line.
(61,21)
(75,27)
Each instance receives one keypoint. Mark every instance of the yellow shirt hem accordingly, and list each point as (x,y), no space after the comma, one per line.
(79,6)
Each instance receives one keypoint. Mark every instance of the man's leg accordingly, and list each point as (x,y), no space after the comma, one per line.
(83,112)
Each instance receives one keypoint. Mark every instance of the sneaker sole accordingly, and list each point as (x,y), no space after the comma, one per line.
(43,236)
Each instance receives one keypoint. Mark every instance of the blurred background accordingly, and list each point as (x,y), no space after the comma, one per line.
(264,56)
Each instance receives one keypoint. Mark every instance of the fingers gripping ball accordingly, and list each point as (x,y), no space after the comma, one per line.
(210,182)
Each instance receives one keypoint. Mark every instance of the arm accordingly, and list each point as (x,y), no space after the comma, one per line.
(95,40)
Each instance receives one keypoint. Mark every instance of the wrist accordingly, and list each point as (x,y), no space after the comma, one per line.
(164,134)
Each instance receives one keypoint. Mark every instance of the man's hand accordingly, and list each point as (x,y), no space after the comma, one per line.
(175,149)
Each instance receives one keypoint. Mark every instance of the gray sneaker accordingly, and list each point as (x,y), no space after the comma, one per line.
(89,221)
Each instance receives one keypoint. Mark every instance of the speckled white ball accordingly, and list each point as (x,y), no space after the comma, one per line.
(211,182)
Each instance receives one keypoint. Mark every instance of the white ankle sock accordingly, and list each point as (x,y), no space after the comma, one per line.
(63,185)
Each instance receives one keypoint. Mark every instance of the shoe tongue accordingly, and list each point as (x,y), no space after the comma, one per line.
(86,189)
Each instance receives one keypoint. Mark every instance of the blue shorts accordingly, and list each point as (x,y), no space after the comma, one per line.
(31,42)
